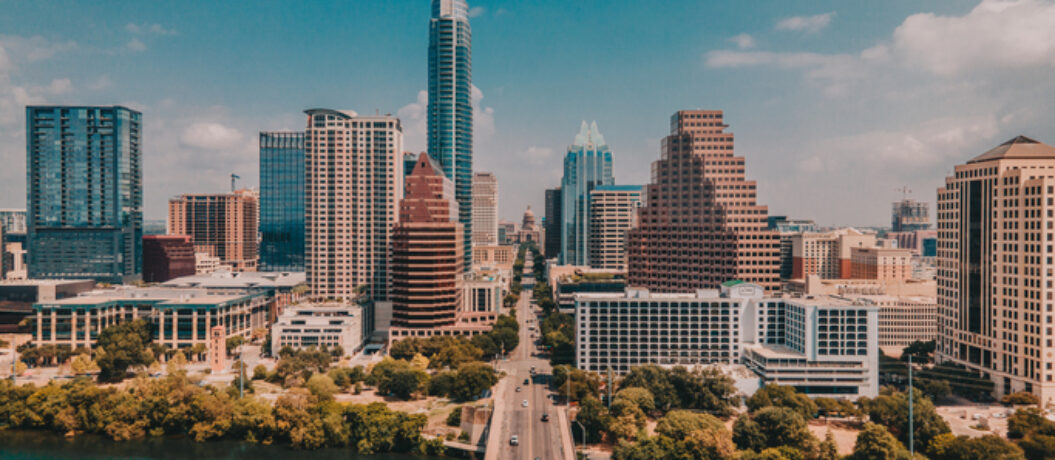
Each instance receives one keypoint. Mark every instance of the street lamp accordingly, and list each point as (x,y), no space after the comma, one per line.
(911,446)
(583,428)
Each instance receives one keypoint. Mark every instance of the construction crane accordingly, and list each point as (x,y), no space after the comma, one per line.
(233,178)
(904,192)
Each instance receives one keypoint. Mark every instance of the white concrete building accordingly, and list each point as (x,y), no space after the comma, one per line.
(823,346)
(315,325)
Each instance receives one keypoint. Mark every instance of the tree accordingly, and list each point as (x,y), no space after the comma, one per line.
(782,396)
(989,447)
(921,352)
(83,364)
(639,397)
(594,417)
(583,383)
(322,387)
(1020,398)
(506,338)
(773,427)
(234,342)
(471,380)
(709,444)
(876,443)
(259,372)
(486,344)
(679,424)
(656,447)
(1025,422)
(455,417)
(403,383)
(1038,446)
(122,346)
(176,364)
(831,407)
(828,450)
(891,411)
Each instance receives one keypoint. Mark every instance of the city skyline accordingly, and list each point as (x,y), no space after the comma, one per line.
(878,93)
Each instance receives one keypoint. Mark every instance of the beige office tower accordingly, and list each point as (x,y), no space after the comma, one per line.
(827,254)
(485,209)
(994,261)
(353,183)
(701,224)
(221,225)
(613,212)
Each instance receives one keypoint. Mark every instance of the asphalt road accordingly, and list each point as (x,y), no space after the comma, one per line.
(538,439)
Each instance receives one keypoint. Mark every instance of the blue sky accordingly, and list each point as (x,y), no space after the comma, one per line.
(835,104)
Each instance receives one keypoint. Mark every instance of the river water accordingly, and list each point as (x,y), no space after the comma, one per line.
(38,445)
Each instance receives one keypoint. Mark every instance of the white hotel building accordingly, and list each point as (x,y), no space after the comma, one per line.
(824,346)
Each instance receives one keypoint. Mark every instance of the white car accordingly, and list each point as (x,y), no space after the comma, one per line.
(523,403)
(514,441)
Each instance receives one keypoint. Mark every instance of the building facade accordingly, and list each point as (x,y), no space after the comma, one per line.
(910,215)
(84,193)
(450,111)
(179,318)
(319,325)
(166,257)
(500,257)
(426,254)
(880,263)
(588,164)
(507,232)
(613,212)
(281,201)
(701,224)
(551,247)
(823,347)
(485,209)
(353,183)
(827,254)
(994,267)
(222,225)
(13,220)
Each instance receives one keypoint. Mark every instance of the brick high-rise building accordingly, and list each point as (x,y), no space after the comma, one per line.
(485,209)
(613,211)
(353,182)
(701,225)
(994,260)
(827,254)
(880,263)
(426,253)
(166,257)
(221,225)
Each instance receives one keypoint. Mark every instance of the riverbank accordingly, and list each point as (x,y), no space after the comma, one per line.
(44,445)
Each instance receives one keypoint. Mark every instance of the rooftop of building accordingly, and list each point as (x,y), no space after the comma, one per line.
(40,282)
(618,188)
(228,279)
(321,309)
(159,296)
(772,351)
(1018,148)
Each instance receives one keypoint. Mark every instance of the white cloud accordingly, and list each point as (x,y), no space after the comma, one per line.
(156,29)
(133,28)
(161,30)
(537,155)
(412,117)
(810,24)
(997,34)
(483,118)
(135,45)
(477,11)
(210,136)
(60,86)
(102,82)
(743,41)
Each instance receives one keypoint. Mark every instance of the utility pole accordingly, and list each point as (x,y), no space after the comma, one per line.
(241,371)
(14,361)
(609,401)
(911,433)
(583,428)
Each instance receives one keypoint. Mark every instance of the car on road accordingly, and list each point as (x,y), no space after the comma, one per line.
(527,381)
(523,403)
(514,441)
(518,389)
(545,417)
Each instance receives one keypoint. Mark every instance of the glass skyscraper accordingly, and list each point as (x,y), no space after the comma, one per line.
(588,164)
(282,201)
(450,108)
(84,193)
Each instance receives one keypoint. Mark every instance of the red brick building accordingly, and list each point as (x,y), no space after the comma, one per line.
(701,224)
(166,257)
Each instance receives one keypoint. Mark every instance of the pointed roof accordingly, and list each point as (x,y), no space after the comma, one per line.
(589,135)
(1019,148)
(427,166)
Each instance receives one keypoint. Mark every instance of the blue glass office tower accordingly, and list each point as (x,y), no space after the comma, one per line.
(450,111)
(84,193)
(282,201)
(588,164)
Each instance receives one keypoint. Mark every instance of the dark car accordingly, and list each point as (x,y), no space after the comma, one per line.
(527,381)
(545,417)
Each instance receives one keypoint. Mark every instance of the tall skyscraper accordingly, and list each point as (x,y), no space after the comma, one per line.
(222,225)
(450,109)
(84,193)
(485,209)
(994,253)
(588,164)
(282,201)
(426,253)
(353,183)
(551,245)
(613,211)
(701,225)
(910,215)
